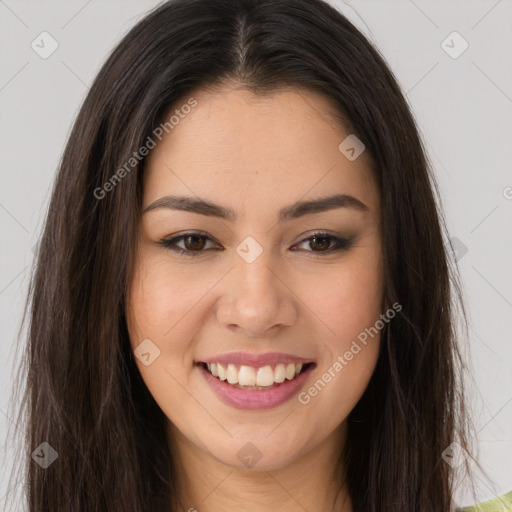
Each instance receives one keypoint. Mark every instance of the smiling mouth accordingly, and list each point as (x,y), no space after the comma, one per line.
(252,378)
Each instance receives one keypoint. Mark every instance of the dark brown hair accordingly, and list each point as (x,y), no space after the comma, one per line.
(84,394)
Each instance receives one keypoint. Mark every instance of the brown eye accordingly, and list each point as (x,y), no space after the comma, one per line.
(194,242)
(325,243)
(320,243)
(189,244)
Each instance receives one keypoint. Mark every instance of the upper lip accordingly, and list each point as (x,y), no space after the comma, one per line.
(256,360)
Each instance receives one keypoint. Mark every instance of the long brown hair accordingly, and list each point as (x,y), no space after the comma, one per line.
(83,393)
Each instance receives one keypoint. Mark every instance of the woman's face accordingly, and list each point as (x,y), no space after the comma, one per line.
(256,293)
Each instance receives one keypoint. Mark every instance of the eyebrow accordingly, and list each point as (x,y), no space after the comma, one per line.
(294,211)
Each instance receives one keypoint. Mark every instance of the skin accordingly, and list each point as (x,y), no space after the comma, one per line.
(256,155)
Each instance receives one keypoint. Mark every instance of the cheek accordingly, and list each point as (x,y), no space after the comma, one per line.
(355,303)
(161,298)
(346,300)
(350,308)
(153,321)
(157,320)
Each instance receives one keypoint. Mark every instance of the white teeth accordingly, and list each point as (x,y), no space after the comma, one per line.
(246,376)
(290,371)
(232,374)
(221,371)
(280,373)
(263,376)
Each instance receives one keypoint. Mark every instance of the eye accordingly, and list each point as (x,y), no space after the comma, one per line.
(193,243)
(320,242)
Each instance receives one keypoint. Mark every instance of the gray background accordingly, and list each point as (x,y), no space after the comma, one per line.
(463,107)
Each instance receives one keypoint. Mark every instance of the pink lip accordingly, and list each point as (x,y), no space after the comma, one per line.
(255,360)
(252,400)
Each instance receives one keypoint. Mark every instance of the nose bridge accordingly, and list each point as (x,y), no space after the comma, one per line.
(257,299)
(256,279)
(257,290)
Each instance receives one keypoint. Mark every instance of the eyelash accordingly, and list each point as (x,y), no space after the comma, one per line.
(342,244)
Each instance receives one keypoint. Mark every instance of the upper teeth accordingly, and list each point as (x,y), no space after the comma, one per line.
(250,376)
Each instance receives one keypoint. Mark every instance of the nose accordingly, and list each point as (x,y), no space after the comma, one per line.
(256,300)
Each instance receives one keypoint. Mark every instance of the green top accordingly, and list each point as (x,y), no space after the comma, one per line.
(499,504)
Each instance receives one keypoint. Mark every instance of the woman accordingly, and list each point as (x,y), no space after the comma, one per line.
(243,296)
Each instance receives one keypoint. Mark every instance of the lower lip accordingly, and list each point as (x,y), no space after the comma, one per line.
(254,399)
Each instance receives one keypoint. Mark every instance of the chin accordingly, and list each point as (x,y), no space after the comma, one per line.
(255,452)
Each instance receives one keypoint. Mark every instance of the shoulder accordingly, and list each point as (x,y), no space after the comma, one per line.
(499,504)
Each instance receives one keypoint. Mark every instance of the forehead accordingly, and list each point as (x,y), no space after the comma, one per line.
(279,145)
